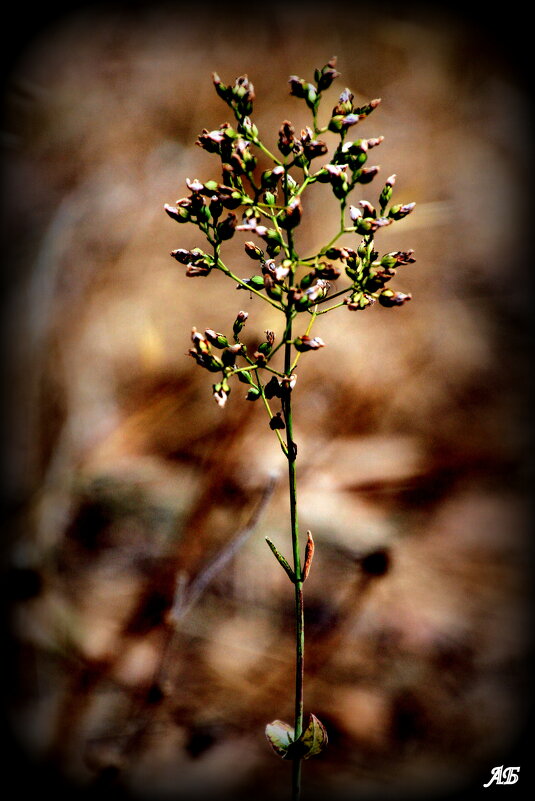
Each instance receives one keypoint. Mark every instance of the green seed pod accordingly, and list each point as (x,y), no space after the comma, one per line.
(388,261)
(203,213)
(253,394)
(245,378)
(255,281)
(307,279)
(302,303)
(211,187)
(273,290)
(218,340)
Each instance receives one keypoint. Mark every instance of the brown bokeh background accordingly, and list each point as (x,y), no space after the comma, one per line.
(125,481)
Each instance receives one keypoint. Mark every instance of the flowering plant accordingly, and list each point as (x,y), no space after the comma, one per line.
(300,287)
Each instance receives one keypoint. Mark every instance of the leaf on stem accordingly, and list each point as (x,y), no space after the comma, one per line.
(312,741)
(281,560)
(309,553)
(314,738)
(280,736)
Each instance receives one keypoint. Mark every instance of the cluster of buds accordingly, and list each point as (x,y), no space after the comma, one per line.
(239,97)
(304,148)
(197,263)
(270,202)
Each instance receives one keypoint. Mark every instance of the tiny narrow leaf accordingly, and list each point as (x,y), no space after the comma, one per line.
(281,560)
(309,553)
(280,736)
(314,738)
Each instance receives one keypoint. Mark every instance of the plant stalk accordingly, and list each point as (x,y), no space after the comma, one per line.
(299,610)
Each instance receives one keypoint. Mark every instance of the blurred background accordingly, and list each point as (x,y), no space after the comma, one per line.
(150,628)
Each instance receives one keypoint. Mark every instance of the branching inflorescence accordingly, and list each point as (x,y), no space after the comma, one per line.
(268,206)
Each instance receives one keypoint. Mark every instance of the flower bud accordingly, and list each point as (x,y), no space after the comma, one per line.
(195,185)
(304,343)
(345,103)
(389,298)
(239,322)
(327,271)
(386,193)
(367,174)
(367,209)
(317,291)
(253,251)
(226,228)
(291,216)
(400,211)
(221,391)
(375,141)
(338,179)
(340,122)
(216,207)
(297,86)
(289,382)
(206,360)
(224,92)
(228,357)
(218,340)
(286,138)
(197,270)
(248,128)
(326,75)
(177,213)
(401,256)
(253,394)
(270,178)
(363,111)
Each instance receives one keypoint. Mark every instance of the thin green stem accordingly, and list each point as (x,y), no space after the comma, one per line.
(267,152)
(330,308)
(298,584)
(224,269)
